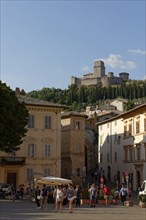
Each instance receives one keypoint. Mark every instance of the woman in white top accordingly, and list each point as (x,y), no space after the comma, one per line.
(58,195)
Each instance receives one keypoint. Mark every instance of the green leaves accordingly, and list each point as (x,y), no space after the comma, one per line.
(13,119)
(76,97)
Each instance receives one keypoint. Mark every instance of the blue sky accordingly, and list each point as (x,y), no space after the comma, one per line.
(44,43)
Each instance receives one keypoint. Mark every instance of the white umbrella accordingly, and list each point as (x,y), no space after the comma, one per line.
(52,181)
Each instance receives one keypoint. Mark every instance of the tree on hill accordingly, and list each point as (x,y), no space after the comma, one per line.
(75,96)
(130,104)
(13,119)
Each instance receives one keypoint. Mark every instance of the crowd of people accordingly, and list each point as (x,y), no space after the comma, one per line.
(62,195)
(13,193)
(68,195)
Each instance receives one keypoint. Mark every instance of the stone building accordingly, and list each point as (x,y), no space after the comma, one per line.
(119,103)
(40,152)
(99,77)
(72,144)
(78,146)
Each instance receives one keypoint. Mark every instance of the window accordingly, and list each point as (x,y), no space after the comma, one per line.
(130,129)
(31,151)
(47,122)
(77,150)
(115,122)
(125,130)
(131,154)
(78,171)
(138,152)
(101,158)
(137,127)
(31,121)
(107,125)
(126,153)
(29,174)
(108,138)
(115,156)
(47,150)
(115,138)
(12,154)
(107,157)
(119,139)
(47,172)
(134,149)
(77,125)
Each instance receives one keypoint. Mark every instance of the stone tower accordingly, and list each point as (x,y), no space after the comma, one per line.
(99,69)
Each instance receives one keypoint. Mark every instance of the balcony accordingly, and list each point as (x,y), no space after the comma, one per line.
(12,160)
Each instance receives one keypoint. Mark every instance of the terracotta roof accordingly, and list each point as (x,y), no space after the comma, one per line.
(127,114)
(71,113)
(32,101)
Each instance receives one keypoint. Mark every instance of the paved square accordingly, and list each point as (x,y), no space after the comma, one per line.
(22,210)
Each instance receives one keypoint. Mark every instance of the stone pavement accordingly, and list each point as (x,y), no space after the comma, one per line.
(25,210)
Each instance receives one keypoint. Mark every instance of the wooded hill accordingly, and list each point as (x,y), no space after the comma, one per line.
(79,98)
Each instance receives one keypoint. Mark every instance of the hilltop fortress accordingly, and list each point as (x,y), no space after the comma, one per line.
(98,76)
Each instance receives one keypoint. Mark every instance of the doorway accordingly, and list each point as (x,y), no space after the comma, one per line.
(12,178)
(138,179)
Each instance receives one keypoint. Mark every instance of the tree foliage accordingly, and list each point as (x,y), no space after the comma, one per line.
(83,96)
(13,119)
(129,105)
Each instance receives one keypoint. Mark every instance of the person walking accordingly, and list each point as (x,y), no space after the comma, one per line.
(77,195)
(29,192)
(106,191)
(21,189)
(44,195)
(92,194)
(38,197)
(65,201)
(70,195)
(58,196)
(123,193)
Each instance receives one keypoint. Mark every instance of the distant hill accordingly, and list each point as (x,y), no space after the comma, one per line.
(79,98)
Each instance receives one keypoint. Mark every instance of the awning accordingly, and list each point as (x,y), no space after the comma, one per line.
(52,181)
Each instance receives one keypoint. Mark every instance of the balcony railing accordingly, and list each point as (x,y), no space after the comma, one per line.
(12,160)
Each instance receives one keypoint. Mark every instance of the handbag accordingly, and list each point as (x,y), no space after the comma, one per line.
(38,197)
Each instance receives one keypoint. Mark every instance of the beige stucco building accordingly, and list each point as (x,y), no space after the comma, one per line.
(122,146)
(56,143)
(40,152)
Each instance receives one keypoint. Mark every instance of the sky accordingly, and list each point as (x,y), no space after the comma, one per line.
(43,43)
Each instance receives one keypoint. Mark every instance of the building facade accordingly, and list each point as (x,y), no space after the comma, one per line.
(40,152)
(122,147)
(72,145)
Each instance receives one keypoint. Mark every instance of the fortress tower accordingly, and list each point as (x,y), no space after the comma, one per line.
(98,76)
(99,69)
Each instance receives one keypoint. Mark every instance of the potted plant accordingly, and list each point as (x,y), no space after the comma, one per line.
(85,197)
(142,200)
